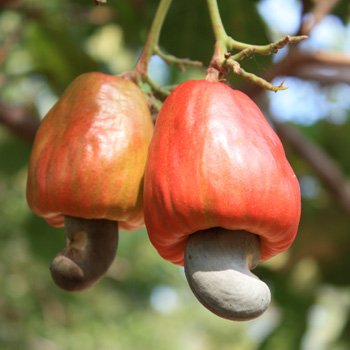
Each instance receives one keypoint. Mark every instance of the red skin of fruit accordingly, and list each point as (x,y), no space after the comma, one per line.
(214,161)
(89,153)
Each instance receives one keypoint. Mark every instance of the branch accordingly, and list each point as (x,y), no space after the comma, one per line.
(320,10)
(224,60)
(316,66)
(324,166)
(296,63)
(305,65)
(326,67)
(153,37)
(331,67)
(180,62)
(328,64)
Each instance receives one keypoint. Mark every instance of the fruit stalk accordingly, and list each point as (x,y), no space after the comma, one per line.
(151,44)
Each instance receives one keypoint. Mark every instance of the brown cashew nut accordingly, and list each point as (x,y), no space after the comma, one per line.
(217,267)
(91,248)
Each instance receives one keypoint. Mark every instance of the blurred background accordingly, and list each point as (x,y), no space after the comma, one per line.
(144,302)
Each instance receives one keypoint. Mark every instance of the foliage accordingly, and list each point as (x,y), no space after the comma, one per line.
(144,302)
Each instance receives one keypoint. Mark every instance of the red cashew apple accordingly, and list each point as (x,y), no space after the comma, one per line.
(86,172)
(220,195)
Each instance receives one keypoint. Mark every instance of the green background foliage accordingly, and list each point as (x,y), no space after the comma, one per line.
(144,302)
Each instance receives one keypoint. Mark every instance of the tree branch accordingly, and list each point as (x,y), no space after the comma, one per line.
(320,10)
(326,67)
(307,65)
(324,166)
(320,66)
(296,63)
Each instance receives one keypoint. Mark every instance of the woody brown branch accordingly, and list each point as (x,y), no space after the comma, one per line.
(326,67)
(331,67)
(303,64)
(323,165)
(320,9)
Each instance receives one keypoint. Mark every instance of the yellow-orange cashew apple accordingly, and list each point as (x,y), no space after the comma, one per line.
(86,172)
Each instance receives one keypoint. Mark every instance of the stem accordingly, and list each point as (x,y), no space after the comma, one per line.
(221,39)
(171,59)
(223,61)
(238,70)
(158,90)
(265,49)
(153,37)
(218,27)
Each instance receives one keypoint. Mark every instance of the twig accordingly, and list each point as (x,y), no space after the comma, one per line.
(180,62)
(238,70)
(326,67)
(298,63)
(308,65)
(224,60)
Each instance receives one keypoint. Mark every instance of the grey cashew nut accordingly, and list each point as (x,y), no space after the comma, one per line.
(90,250)
(217,267)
